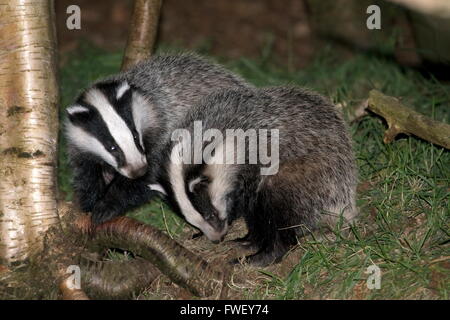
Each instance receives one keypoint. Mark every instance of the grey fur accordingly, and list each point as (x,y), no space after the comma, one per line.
(173,84)
(168,85)
(317,174)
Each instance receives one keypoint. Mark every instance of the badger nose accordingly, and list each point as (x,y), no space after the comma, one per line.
(218,241)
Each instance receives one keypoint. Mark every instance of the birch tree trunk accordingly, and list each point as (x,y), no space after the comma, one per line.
(28,126)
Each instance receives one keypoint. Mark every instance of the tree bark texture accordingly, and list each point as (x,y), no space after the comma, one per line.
(143,31)
(401,119)
(28,126)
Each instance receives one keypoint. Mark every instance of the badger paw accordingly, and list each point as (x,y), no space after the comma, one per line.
(103,212)
(244,243)
(260,259)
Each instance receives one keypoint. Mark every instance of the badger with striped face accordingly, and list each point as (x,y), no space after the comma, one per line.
(105,123)
(105,131)
(117,129)
(313,184)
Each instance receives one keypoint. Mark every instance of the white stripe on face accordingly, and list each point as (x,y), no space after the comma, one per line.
(193,183)
(76,109)
(157,187)
(221,176)
(122,89)
(86,142)
(143,115)
(187,209)
(117,127)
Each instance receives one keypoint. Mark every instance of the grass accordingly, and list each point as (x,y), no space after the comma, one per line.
(403,194)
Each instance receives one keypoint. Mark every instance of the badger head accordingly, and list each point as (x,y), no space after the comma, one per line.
(200,196)
(107,121)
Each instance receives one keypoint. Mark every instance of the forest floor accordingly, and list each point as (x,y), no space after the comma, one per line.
(403,193)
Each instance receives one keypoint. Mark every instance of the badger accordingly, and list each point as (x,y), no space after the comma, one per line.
(117,129)
(311,181)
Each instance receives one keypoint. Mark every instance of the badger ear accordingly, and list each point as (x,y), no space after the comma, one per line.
(199,182)
(77,112)
(122,89)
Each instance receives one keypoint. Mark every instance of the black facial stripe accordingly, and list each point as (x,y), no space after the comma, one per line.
(201,201)
(109,89)
(122,106)
(93,123)
(200,198)
(194,171)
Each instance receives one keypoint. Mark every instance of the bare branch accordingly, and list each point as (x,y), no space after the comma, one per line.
(172,259)
(143,31)
(70,293)
(401,119)
(117,279)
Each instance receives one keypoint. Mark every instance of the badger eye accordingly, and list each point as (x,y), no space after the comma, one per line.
(112,148)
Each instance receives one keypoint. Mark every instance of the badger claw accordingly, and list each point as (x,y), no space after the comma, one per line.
(244,243)
(260,259)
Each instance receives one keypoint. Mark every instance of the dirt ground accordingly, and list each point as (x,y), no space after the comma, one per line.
(245,280)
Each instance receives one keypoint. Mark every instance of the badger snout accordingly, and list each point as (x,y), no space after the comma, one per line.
(217,231)
(135,171)
(219,240)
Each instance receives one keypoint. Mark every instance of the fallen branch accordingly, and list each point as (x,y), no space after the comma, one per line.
(401,119)
(69,293)
(157,252)
(3,269)
(116,279)
(77,242)
(173,260)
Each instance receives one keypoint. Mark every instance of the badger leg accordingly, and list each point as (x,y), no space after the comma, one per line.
(287,206)
(242,202)
(267,256)
(244,243)
(269,253)
(123,194)
(89,184)
(271,243)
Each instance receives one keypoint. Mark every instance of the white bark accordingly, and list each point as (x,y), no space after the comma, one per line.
(28,126)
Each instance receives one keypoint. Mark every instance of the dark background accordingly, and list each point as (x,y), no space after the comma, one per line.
(289,32)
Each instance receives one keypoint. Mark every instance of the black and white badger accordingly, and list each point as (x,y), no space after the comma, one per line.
(314,184)
(118,127)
